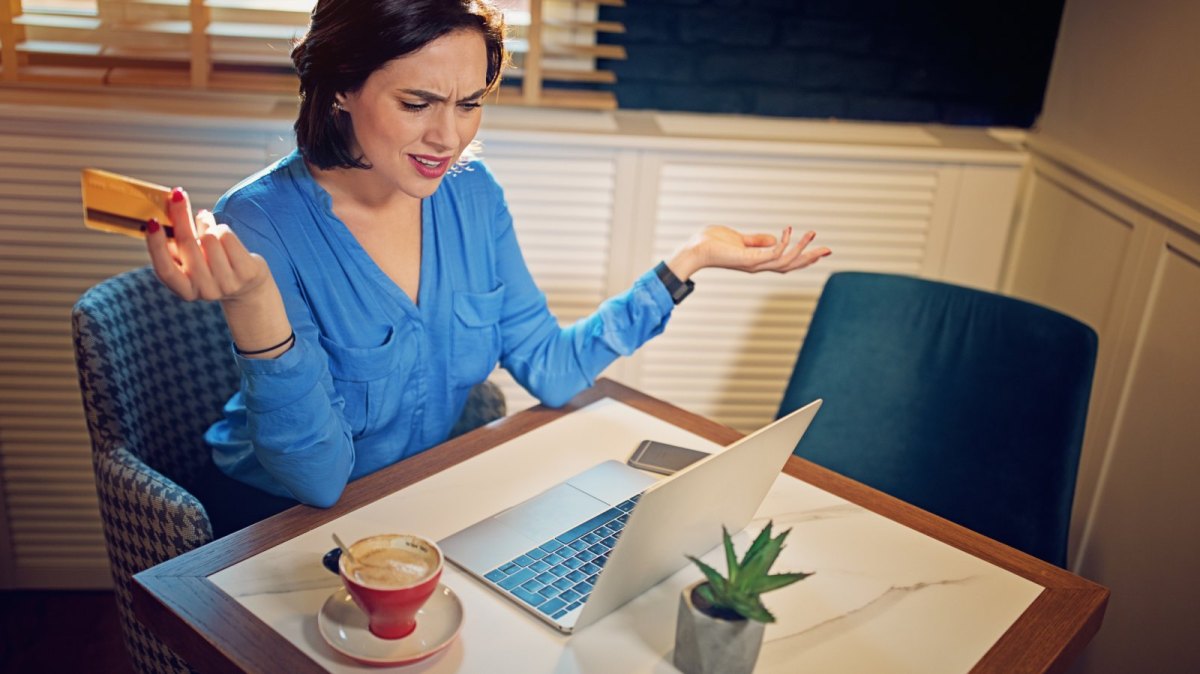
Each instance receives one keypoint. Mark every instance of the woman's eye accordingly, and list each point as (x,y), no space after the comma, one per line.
(471,106)
(414,106)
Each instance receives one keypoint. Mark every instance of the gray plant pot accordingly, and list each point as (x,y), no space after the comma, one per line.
(708,645)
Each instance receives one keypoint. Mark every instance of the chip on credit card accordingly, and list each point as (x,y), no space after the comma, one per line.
(120,204)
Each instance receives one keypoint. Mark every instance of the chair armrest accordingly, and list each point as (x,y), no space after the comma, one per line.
(147,517)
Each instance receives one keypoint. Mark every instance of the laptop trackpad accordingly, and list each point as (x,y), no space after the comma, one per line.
(497,540)
(612,481)
(552,512)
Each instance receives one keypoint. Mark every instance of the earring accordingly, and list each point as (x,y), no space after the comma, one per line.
(337,107)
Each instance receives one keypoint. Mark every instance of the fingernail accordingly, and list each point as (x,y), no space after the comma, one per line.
(177,194)
(152,225)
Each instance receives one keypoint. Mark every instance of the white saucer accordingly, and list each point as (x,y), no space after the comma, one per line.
(344,627)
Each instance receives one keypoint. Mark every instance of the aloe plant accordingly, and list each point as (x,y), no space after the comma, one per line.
(739,594)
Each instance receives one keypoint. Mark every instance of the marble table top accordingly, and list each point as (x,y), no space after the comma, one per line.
(884,598)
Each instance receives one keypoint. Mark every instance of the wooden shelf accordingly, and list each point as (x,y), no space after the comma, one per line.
(560,98)
(602,51)
(265,83)
(595,26)
(60,21)
(558,75)
(64,75)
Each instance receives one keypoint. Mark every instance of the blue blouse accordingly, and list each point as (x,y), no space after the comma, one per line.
(374,378)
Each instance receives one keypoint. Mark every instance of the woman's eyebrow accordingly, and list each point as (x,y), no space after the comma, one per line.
(438,98)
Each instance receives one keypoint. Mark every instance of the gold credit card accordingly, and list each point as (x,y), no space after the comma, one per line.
(117,203)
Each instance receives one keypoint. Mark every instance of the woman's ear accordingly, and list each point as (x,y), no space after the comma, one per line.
(339,102)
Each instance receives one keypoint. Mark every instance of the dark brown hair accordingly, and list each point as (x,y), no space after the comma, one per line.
(348,40)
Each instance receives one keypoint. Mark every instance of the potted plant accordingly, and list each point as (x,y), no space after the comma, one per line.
(721,619)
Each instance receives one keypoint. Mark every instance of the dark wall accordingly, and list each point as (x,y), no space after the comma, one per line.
(970,62)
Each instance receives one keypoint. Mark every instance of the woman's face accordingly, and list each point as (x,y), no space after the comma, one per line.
(415,115)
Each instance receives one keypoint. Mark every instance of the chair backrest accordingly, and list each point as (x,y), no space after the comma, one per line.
(968,404)
(154,372)
(485,404)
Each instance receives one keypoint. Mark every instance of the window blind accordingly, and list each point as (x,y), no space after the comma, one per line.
(244,46)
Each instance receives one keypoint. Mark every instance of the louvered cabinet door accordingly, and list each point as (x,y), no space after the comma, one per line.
(730,347)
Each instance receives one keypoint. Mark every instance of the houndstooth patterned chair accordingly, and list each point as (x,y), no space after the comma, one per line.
(155,372)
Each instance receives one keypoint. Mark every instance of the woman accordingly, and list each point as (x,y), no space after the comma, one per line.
(369,282)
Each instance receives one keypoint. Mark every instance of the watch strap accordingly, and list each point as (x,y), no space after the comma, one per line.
(676,288)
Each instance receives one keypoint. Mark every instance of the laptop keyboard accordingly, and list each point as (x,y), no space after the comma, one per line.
(557,576)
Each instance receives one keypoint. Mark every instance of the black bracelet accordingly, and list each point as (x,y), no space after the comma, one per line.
(290,338)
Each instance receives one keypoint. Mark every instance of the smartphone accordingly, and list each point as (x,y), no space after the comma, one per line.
(120,204)
(659,457)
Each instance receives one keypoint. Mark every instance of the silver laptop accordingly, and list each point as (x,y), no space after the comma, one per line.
(583,548)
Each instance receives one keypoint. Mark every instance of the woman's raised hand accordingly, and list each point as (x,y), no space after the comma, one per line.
(205,260)
(719,246)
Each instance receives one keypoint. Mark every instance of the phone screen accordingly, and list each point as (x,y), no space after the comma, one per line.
(662,458)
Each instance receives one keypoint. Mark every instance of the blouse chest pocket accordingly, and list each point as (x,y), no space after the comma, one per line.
(367,377)
(475,335)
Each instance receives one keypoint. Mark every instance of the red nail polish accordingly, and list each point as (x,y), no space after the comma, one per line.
(177,195)
(152,225)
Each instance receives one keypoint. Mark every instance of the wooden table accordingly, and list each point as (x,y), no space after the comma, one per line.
(214,632)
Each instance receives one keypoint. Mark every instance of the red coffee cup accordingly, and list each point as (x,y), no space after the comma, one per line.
(391,578)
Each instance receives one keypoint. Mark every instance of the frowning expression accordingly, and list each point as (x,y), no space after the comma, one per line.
(414,116)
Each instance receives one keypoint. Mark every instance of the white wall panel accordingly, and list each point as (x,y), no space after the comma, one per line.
(1092,245)
(1143,539)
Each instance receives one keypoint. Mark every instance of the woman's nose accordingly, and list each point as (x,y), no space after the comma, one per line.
(443,130)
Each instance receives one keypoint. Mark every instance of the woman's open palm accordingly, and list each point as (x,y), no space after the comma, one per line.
(720,246)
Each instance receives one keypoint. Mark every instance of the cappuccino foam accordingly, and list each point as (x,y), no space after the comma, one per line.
(391,567)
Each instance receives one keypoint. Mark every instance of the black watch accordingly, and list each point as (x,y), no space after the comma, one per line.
(677,289)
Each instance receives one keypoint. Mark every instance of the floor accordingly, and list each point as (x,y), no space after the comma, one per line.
(60,631)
